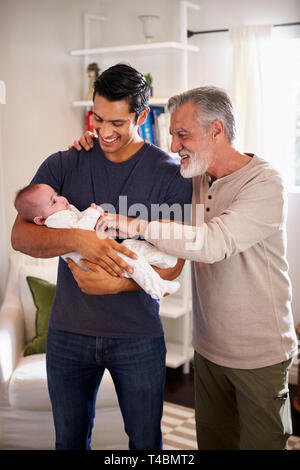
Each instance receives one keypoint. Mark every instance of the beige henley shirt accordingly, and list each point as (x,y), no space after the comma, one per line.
(242,315)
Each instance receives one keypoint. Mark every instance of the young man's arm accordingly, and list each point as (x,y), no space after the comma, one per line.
(96,281)
(39,241)
(44,242)
(170,274)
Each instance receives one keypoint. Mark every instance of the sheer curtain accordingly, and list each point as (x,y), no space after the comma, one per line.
(280,105)
(263,96)
(250,45)
(3,246)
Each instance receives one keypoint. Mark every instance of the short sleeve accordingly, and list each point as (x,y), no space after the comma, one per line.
(50,172)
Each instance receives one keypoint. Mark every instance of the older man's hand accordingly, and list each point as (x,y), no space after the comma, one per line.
(126,227)
(85,141)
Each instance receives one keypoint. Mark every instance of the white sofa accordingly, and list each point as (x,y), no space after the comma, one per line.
(25,411)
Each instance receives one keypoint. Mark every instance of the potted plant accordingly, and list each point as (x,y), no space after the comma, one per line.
(149,80)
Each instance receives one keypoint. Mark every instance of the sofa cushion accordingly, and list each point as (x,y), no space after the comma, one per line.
(46,271)
(28,386)
(43,294)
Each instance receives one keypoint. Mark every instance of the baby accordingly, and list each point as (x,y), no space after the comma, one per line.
(39,203)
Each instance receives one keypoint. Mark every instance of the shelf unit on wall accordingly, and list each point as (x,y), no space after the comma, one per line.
(150,48)
(178,307)
(152,102)
(135,48)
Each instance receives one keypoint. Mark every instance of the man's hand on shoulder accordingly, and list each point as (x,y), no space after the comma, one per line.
(85,141)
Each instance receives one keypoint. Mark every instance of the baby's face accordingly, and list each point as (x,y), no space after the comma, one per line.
(50,202)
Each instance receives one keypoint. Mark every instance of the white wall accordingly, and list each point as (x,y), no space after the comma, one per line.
(42,78)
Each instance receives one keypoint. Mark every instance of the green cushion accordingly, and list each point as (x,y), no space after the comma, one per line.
(43,295)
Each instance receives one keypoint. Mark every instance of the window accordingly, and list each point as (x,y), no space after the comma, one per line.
(282,108)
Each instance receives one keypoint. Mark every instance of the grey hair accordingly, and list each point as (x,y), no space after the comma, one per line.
(212,103)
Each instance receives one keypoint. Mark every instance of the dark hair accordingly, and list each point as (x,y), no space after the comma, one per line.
(25,205)
(121,82)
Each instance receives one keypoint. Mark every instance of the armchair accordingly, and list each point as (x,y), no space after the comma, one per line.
(25,410)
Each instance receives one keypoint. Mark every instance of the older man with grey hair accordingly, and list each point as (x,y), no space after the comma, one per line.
(243,326)
(243,332)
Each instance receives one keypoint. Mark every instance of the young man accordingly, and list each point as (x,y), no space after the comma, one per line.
(106,321)
(243,331)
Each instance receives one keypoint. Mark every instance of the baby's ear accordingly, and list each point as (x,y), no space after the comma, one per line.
(39,220)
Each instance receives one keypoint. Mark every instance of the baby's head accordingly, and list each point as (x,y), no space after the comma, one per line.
(36,202)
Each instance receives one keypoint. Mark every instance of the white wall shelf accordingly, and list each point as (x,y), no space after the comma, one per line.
(175,356)
(135,48)
(171,308)
(152,101)
(82,104)
(2,92)
(178,308)
(158,101)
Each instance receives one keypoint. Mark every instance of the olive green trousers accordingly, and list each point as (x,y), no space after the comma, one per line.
(241,408)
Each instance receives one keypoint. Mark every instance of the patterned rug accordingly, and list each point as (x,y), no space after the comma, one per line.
(179,430)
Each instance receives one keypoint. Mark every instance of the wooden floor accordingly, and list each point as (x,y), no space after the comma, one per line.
(179,389)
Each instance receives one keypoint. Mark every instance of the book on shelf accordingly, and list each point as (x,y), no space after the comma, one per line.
(156,128)
(146,129)
(89,126)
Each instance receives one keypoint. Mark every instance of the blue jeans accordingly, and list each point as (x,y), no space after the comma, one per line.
(75,367)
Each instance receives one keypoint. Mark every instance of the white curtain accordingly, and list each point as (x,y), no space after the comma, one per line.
(3,245)
(262,93)
(280,107)
(250,45)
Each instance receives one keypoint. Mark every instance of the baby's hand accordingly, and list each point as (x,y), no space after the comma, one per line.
(98,208)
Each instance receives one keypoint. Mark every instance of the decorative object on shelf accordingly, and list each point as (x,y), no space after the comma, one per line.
(149,26)
(93,72)
(149,80)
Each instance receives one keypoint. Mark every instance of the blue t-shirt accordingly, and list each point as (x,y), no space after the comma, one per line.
(148,177)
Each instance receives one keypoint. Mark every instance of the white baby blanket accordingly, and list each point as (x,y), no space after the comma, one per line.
(144,275)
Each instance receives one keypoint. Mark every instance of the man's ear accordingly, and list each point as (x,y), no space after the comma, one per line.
(143,116)
(217,128)
(39,220)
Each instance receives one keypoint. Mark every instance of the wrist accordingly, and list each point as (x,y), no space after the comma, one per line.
(117,285)
(125,284)
(141,227)
(76,239)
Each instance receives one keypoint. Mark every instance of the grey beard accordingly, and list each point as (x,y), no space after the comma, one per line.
(196,166)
